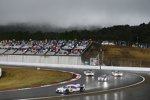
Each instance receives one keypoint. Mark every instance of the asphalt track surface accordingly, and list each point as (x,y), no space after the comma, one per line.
(138,92)
(91,84)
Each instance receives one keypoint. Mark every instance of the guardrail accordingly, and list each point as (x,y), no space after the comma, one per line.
(74,66)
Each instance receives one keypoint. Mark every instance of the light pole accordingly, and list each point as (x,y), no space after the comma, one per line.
(137,41)
(102,56)
(101,60)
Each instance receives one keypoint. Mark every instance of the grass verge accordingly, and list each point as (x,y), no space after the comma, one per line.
(14,78)
(119,55)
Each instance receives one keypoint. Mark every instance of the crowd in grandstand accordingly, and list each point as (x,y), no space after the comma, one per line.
(51,47)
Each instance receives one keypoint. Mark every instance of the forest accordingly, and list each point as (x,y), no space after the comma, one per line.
(139,33)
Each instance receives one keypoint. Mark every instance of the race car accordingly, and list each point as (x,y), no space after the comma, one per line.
(103,78)
(70,88)
(117,74)
(89,73)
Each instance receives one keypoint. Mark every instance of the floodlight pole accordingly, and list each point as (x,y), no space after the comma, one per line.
(101,62)
(137,41)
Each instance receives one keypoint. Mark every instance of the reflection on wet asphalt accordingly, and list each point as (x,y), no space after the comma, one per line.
(139,92)
(135,93)
(91,84)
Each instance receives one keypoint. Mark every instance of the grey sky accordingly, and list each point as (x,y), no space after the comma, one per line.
(66,13)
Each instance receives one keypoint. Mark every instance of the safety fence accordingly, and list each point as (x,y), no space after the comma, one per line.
(38,65)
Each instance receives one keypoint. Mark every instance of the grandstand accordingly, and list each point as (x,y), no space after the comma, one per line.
(52,47)
(52,51)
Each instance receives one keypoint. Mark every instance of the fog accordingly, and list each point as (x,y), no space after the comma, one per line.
(72,13)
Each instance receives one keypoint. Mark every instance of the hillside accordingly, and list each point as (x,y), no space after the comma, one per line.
(126,33)
(119,55)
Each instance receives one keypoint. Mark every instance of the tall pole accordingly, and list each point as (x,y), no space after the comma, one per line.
(102,56)
(137,41)
(101,60)
(98,62)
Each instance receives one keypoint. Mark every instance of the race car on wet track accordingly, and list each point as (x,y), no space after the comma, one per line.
(89,73)
(103,78)
(117,74)
(70,88)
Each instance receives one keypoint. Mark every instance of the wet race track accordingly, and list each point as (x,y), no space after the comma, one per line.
(94,90)
(138,92)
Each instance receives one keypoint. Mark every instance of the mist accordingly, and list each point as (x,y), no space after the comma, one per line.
(75,13)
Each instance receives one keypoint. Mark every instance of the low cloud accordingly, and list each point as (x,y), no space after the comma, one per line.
(68,13)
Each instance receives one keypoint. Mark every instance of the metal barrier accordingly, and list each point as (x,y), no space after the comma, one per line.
(74,66)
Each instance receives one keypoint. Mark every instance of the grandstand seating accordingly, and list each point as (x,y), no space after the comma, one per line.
(52,47)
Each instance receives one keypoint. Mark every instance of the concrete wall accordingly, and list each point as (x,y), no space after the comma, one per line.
(73,60)
(40,65)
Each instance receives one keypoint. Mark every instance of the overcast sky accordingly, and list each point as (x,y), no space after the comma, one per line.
(66,13)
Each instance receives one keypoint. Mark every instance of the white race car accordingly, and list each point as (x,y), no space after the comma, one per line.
(70,88)
(89,73)
(117,74)
(103,78)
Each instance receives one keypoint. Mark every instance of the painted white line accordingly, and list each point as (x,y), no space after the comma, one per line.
(24,89)
(62,82)
(143,79)
(45,86)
